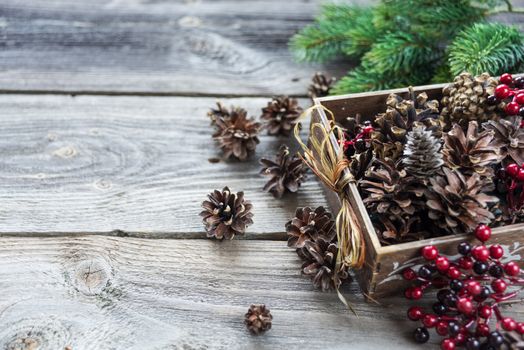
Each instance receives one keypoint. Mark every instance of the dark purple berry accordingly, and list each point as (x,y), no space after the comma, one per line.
(521,111)
(472,344)
(495,339)
(464,248)
(421,335)
(480,267)
(453,328)
(492,100)
(518,82)
(496,271)
(439,308)
(424,272)
(456,285)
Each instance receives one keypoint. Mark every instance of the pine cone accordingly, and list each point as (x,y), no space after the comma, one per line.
(394,197)
(287,172)
(258,319)
(226,214)
(222,112)
(309,224)
(456,202)
(400,118)
(422,157)
(472,152)
(508,137)
(281,115)
(320,85)
(237,136)
(319,258)
(466,99)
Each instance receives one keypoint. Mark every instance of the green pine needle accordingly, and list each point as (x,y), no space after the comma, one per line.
(492,48)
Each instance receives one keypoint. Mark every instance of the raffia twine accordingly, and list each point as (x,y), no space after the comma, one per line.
(331,167)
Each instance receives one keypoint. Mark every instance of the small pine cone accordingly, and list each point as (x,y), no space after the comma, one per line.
(422,156)
(319,258)
(222,112)
(320,85)
(258,319)
(472,152)
(237,136)
(466,99)
(286,172)
(457,203)
(309,224)
(508,137)
(281,115)
(226,214)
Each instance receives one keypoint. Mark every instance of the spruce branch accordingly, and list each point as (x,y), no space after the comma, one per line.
(492,48)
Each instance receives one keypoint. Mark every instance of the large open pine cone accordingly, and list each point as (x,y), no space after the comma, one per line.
(422,156)
(281,114)
(319,258)
(237,136)
(456,202)
(320,85)
(258,319)
(508,137)
(287,172)
(466,99)
(400,117)
(309,224)
(472,152)
(226,214)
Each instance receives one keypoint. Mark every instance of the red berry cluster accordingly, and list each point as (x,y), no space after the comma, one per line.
(360,142)
(470,290)
(512,177)
(510,88)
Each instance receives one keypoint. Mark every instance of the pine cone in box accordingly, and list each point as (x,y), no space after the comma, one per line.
(319,258)
(422,156)
(320,85)
(287,172)
(456,202)
(258,319)
(309,224)
(508,137)
(226,214)
(222,112)
(237,136)
(281,115)
(472,152)
(394,197)
(400,117)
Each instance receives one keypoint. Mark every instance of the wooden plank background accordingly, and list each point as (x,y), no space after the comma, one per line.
(88,179)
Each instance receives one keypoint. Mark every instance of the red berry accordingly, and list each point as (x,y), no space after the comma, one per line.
(512,269)
(415,313)
(407,293)
(480,253)
(453,273)
(512,169)
(465,306)
(409,274)
(496,251)
(485,311)
(499,286)
(416,293)
(502,91)
(506,78)
(512,108)
(429,252)
(508,324)
(466,263)
(429,320)
(442,264)
(482,330)
(520,175)
(367,130)
(520,327)
(447,344)
(442,328)
(460,338)
(483,232)
(519,98)
(474,288)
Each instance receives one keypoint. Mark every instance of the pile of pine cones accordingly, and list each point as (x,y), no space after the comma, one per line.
(427,169)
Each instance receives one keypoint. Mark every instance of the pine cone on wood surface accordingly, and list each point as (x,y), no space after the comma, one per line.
(422,156)
(286,172)
(509,137)
(258,319)
(226,214)
(280,115)
(238,136)
(310,225)
(320,85)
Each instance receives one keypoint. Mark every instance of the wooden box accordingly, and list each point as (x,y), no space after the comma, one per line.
(381,274)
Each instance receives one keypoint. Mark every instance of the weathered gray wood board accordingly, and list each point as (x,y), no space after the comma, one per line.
(236,47)
(100,293)
(139,165)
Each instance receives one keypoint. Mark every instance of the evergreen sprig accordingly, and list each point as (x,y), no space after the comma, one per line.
(403,42)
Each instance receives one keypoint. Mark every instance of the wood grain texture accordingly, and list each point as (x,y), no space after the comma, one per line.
(235,47)
(100,293)
(94,164)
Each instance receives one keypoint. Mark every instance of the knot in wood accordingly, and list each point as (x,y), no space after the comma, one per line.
(35,334)
(91,277)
